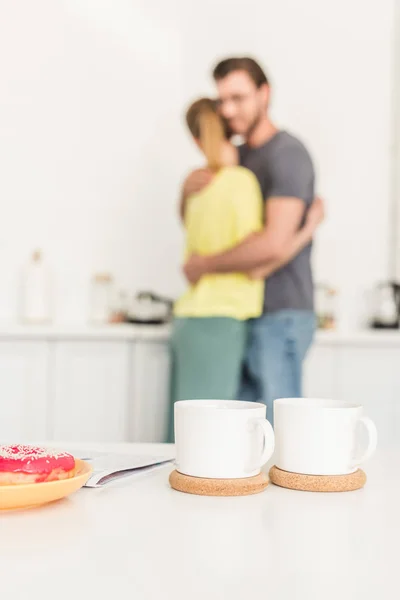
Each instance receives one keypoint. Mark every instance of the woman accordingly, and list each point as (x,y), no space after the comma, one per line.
(210,327)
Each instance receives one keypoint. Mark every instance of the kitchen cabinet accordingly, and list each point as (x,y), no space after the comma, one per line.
(321,373)
(362,369)
(90,391)
(24,392)
(150,370)
(111,384)
(100,384)
(371,377)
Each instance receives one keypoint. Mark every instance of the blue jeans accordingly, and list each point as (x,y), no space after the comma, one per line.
(277,345)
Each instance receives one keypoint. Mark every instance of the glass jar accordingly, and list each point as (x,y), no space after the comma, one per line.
(101,298)
(326,306)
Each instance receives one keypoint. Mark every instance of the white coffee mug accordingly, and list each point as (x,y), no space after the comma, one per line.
(319,437)
(222,439)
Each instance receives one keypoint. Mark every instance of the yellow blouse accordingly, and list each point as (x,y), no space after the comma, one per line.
(222,215)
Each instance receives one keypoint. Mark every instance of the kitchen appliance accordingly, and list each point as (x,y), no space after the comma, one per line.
(386,306)
(150,309)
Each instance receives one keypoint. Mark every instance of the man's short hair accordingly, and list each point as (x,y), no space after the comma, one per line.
(249,65)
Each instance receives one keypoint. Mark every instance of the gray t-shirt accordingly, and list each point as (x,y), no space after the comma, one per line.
(283,167)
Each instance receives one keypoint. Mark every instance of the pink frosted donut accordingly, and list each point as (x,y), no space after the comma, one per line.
(29,464)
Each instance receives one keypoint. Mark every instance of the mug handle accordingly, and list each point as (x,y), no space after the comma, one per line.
(269,439)
(372,441)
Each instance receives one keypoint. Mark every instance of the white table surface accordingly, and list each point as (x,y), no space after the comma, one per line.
(139,539)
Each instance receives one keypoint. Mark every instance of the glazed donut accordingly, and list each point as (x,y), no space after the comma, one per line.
(29,464)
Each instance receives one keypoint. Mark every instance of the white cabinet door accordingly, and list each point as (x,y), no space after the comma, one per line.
(90,391)
(149,401)
(23,391)
(321,372)
(371,377)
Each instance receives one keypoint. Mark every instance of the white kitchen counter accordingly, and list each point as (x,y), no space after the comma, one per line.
(122,331)
(362,337)
(139,539)
(111,383)
(162,333)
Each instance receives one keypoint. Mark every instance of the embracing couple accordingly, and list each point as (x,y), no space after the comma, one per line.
(243,328)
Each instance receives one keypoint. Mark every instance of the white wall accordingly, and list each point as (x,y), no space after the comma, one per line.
(92,146)
(90,102)
(395,208)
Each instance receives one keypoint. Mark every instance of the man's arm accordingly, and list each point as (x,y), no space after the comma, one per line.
(302,238)
(292,177)
(283,216)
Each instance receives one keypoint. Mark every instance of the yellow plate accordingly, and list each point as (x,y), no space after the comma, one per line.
(34,494)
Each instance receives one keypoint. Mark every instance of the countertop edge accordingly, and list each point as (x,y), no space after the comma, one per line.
(86,332)
(162,333)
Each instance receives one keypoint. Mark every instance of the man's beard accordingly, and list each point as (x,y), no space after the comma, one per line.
(230,132)
(253,126)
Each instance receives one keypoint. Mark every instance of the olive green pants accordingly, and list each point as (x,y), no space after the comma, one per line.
(207,355)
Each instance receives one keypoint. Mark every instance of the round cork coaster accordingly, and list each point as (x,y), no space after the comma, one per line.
(218,487)
(318,483)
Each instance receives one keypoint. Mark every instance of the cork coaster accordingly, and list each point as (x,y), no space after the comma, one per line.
(218,487)
(318,483)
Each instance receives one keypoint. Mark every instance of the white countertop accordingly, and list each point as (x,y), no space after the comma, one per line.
(141,540)
(362,337)
(127,332)
(121,331)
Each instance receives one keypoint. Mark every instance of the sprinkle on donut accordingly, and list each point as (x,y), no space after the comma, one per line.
(38,464)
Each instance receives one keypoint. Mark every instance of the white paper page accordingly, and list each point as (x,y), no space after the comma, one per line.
(109,467)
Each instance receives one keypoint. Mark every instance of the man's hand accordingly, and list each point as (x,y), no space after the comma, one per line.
(316,214)
(258,272)
(196,181)
(195,268)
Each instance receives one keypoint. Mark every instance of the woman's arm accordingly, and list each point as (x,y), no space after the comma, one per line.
(300,240)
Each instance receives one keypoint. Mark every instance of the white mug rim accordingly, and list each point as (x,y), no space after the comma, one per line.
(212,404)
(316,403)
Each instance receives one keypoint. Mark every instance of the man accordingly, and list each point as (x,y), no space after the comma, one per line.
(280,338)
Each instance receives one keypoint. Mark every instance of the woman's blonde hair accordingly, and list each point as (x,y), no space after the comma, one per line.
(207,127)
